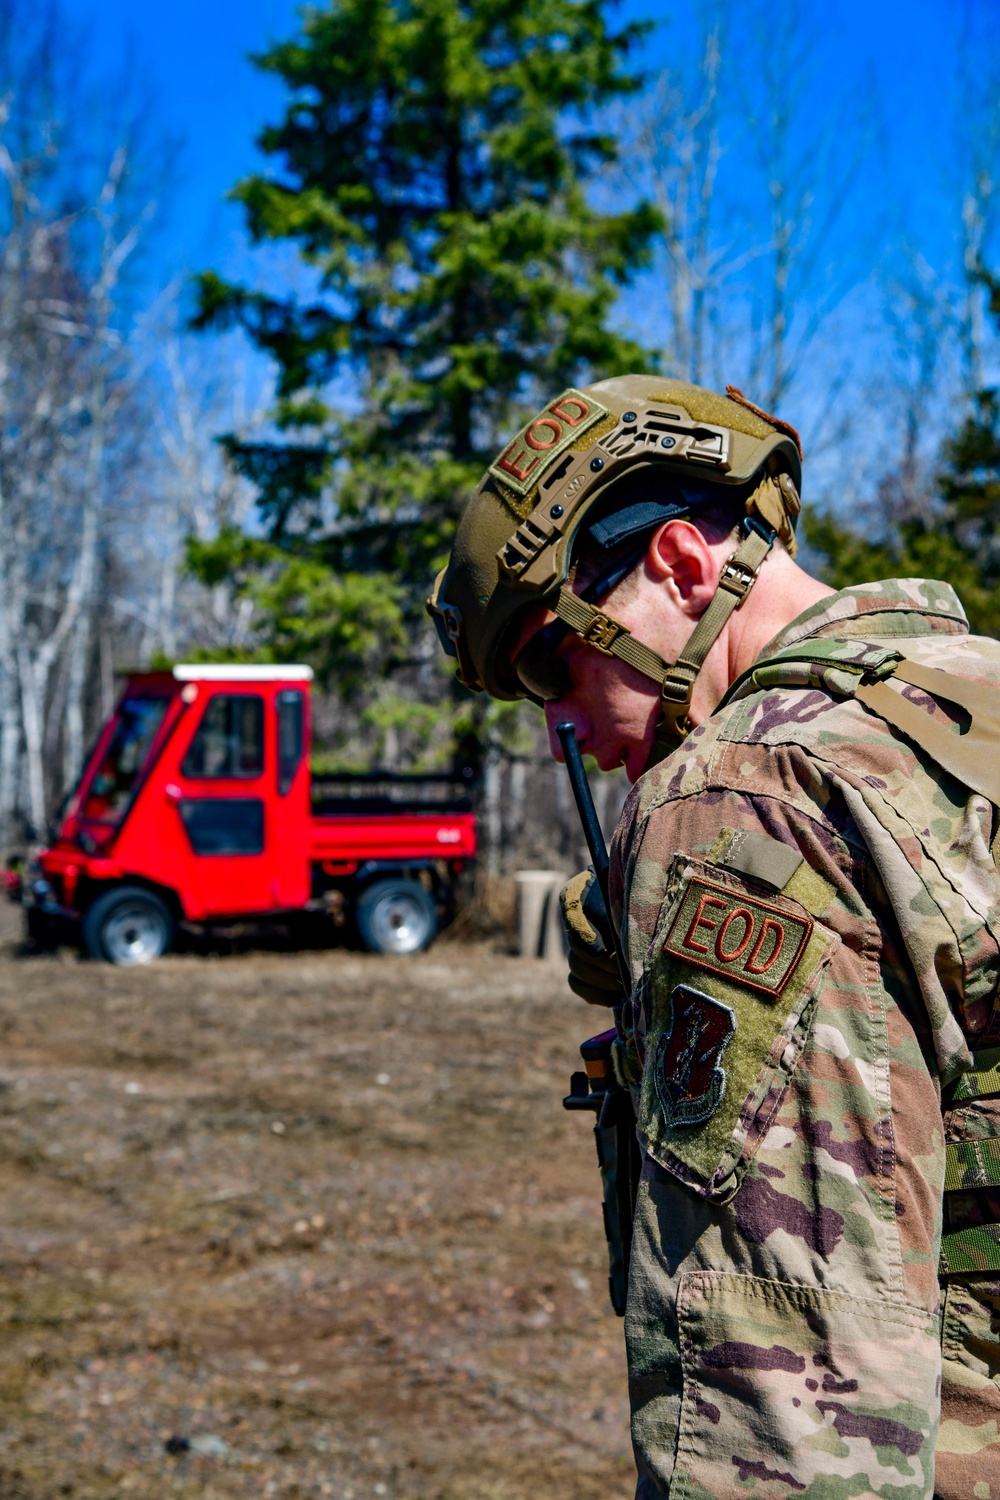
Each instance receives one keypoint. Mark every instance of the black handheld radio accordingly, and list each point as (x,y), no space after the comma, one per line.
(597,1087)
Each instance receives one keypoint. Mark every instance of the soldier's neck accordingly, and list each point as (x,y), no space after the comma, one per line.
(782,591)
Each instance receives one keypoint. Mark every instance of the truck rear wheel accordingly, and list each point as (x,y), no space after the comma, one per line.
(127,926)
(396,916)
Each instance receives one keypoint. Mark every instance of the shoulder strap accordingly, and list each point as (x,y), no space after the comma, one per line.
(817,663)
(970,753)
(861,669)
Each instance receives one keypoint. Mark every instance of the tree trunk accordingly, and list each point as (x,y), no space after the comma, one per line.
(74,728)
(31,717)
(492,817)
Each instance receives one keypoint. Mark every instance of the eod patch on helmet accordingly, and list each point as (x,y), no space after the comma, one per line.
(611,461)
(544,438)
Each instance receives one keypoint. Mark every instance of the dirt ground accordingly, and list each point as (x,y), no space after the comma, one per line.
(301,1224)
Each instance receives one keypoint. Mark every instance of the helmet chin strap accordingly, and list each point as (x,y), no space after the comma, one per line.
(675,680)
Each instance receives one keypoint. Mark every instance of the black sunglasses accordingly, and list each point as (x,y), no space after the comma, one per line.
(541,671)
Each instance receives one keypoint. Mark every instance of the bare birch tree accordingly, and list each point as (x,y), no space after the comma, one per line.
(65,378)
(679,141)
(202,494)
(753,178)
(68,380)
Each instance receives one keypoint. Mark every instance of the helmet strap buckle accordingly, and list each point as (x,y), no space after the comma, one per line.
(737,579)
(602,632)
(674,723)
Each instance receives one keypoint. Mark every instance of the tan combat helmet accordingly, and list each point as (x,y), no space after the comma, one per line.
(515,542)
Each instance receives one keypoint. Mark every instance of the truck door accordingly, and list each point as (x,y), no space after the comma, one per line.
(224,800)
(292,809)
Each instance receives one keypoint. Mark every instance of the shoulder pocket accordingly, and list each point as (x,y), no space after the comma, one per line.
(728,988)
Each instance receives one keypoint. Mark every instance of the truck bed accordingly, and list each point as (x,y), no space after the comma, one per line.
(404,836)
(389,793)
(389,815)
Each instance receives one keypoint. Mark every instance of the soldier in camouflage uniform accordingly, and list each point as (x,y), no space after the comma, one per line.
(805,884)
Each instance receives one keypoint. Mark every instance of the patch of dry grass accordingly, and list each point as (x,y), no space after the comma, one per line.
(320,1217)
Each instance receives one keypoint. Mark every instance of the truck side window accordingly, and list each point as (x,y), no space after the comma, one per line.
(290,736)
(230,738)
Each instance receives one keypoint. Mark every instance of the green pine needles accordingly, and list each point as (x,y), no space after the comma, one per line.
(434,171)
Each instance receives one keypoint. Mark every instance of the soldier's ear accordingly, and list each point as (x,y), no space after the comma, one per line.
(680,559)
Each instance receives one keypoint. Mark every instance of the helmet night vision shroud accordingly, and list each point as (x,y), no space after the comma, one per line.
(610,463)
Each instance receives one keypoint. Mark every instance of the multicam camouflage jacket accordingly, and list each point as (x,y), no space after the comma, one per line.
(812,916)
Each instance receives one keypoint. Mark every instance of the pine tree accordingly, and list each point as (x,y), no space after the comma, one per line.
(432,172)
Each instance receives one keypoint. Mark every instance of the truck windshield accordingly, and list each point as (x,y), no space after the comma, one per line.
(112,784)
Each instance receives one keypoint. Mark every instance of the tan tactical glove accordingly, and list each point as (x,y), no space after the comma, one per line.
(593,968)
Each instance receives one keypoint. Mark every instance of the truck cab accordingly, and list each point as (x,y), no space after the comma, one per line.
(195,806)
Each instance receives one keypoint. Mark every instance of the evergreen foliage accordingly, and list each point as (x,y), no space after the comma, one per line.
(959,541)
(431,173)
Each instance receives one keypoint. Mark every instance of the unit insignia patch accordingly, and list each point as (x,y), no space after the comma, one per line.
(524,460)
(732,934)
(690,1080)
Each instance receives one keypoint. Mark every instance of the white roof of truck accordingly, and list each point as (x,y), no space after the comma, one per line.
(239,672)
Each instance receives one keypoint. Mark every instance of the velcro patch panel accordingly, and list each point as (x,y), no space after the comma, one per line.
(527,457)
(755,854)
(727,989)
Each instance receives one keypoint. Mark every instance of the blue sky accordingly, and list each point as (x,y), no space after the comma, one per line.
(204,91)
(207,92)
(893,62)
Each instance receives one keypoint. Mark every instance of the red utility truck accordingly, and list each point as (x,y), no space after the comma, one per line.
(197,806)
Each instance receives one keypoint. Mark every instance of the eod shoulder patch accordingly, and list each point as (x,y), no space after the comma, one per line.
(733,934)
(727,992)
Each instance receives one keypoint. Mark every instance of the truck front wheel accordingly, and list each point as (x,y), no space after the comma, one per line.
(128,925)
(396,916)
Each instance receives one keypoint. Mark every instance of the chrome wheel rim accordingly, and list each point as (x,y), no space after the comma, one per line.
(135,933)
(399,923)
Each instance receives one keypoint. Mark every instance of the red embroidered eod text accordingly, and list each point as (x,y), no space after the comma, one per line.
(738,937)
